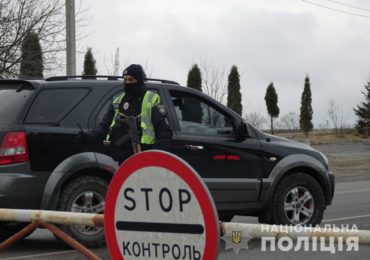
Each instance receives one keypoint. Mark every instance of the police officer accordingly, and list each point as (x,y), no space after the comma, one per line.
(144,105)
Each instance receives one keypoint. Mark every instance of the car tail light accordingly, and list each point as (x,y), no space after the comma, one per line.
(13,149)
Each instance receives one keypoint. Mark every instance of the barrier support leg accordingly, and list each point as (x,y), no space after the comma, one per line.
(19,235)
(70,241)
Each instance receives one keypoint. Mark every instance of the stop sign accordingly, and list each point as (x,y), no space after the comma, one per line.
(157,207)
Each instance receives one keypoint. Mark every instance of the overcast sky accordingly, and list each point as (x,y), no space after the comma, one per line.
(277,41)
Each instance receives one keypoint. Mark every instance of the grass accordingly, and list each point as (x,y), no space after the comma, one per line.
(323,136)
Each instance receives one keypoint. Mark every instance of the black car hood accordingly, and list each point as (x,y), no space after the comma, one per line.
(283,141)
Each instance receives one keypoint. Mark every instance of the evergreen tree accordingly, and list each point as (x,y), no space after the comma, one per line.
(305,119)
(89,64)
(194,78)
(194,81)
(362,111)
(271,99)
(31,58)
(234,97)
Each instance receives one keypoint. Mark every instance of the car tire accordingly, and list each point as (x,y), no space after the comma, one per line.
(298,200)
(84,194)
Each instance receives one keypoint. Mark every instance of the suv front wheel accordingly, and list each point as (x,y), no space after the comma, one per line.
(85,194)
(298,200)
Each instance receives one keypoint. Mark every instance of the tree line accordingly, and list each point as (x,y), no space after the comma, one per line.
(234,101)
(31,66)
(31,36)
(234,97)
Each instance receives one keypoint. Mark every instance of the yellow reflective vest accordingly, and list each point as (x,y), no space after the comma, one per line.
(150,100)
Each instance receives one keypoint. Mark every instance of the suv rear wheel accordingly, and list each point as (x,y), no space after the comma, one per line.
(298,200)
(85,194)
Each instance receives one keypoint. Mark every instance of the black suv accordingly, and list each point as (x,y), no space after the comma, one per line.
(44,166)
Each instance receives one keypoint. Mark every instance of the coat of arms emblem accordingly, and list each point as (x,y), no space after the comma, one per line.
(236,237)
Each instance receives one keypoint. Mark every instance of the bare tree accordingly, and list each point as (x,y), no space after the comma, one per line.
(334,114)
(289,121)
(18,17)
(255,119)
(214,80)
(44,18)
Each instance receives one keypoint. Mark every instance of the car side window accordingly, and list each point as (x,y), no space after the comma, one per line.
(52,105)
(197,116)
(105,107)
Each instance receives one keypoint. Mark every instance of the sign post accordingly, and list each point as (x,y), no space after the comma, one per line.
(157,207)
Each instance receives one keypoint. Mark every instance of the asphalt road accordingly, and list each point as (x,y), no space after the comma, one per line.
(351,205)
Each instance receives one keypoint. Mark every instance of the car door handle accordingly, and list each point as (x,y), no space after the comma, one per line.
(194,147)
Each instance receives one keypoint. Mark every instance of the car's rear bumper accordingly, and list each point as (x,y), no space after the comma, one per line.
(19,188)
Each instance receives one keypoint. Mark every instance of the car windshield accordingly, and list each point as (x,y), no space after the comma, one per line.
(12,100)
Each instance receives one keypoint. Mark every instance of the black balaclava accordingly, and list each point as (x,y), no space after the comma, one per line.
(138,88)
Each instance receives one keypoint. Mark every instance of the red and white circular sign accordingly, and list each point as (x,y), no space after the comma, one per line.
(157,207)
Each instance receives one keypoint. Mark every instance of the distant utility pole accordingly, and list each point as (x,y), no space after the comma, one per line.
(116,63)
(71,37)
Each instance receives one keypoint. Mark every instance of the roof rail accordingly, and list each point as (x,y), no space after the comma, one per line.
(59,78)
(23,84)
(163,81)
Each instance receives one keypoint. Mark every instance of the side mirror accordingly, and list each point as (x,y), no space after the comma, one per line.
(242,131)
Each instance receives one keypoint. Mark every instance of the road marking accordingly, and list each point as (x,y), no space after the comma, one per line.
(351,191)
(38,255)
(346,218)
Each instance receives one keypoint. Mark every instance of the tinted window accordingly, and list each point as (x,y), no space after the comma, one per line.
(104,109)
(196,116)
(12,102)
(51,105)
